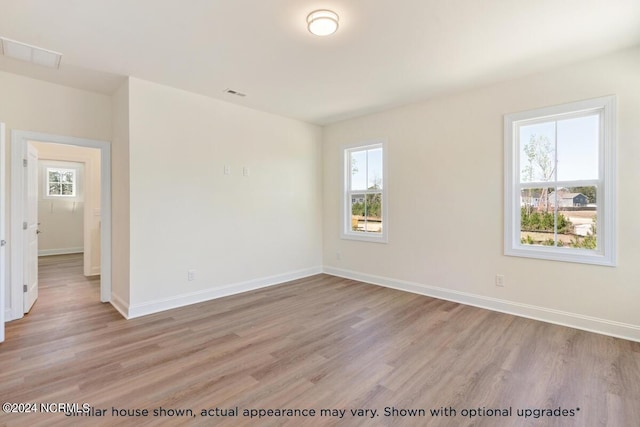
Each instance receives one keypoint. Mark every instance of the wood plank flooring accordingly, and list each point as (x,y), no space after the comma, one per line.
(316,343)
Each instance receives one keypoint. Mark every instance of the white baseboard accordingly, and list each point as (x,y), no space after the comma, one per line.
(61,251)
(213,293)
(94,272)
(11,313)
(573,320)
(119,304)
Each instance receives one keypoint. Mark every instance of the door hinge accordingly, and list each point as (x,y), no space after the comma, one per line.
(3,242)
(24,288)
(24,162)
(24,225)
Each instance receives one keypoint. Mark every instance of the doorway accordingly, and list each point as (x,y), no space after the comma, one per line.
(68,214)
(20,181)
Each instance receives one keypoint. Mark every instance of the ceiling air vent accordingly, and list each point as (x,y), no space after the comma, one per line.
(30,53)
(235,92)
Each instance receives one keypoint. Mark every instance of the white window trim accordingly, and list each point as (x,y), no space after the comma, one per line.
(76,177)
(606,222)
(345,217)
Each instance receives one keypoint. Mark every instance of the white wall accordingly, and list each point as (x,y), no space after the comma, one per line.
(33,105)
(120,242)
(446,201)
(61,220)
(235,231)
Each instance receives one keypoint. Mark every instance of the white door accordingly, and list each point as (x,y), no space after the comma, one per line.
(31,231)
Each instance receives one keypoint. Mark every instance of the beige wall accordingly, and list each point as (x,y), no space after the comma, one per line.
(120,265)
(187,214)
(445,197)
(33,105)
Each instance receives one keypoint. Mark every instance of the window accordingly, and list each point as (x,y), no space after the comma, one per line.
(61,182)
(365,200)
(560,182)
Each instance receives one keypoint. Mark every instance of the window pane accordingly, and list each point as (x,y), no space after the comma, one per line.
(374,162)
(67,176)
(537,217)
(54,189)
(562,218)
(359,170)
(582,215)
(358,212)
(537,152)
(54,176)
(578,141)
(373,209)
(67,189)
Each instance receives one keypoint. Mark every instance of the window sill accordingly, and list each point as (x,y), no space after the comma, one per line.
(364,238)
(581,256)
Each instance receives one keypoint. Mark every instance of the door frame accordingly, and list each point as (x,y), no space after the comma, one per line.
(19,140)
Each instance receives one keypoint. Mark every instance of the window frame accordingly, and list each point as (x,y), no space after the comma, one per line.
(605,253)
(48,195)
(345,229)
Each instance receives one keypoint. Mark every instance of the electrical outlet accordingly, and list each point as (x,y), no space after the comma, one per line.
(338,255)
(227,170)
(191,275)
(245,171)
(500,280)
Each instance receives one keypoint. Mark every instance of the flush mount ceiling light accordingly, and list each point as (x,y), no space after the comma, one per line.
(29,53)
(322,22)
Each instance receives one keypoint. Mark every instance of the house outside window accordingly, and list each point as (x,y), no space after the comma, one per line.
(364,203)
(560,182)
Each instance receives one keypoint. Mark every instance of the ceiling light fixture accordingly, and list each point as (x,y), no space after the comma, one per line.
(322,22)
(30,53)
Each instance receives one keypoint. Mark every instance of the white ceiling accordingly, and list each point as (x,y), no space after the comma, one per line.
(385,53)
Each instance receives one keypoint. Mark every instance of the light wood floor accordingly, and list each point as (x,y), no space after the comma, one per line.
(320,342)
